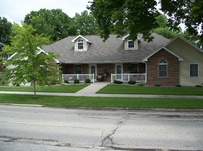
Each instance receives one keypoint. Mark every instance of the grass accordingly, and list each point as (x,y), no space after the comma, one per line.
(65,101)
(61,88)
(126,89)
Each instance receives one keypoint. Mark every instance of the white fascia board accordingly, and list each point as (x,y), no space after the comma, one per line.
(80,36)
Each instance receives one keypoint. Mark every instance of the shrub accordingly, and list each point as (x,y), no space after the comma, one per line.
(118,82)
(198,86)
(66,81)
(131,82)
(157,85)
(178,85)
(140,84)
(87,80)
(16,84)
(76,81)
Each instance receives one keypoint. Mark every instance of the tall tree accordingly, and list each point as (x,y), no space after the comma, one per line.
(85,23)
(163,28)
(188,12)
(125,16)
(5,30)
(30,64)
(139,16)
(53,23)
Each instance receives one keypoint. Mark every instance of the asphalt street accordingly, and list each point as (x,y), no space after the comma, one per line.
(30,128)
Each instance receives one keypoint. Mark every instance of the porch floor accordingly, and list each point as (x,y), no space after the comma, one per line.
(92,88)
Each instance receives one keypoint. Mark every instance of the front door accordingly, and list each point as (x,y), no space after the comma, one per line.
(119,71)
(93,70)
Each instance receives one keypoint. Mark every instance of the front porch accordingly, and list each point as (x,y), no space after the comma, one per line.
(139,77)
(107,72)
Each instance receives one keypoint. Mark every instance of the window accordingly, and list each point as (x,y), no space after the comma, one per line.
(78,69)
(80,44)
(163,68)
(5,56)
(194,70)
(134,68)
(131,44)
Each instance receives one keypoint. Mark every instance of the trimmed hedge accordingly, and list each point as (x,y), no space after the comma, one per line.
(131,82)
(118,82)
(76,81)
(87,80)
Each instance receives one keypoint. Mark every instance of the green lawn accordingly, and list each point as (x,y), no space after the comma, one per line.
(65,101)
(62,89)
(127,89)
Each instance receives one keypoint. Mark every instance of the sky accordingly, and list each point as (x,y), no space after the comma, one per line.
(16,10)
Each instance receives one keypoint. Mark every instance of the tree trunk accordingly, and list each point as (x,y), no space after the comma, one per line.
(34,84)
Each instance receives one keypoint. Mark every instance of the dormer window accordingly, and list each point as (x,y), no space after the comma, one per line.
(80,44)
(131,44)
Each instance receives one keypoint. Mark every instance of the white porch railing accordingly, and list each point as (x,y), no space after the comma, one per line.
(80,77)
(138,77)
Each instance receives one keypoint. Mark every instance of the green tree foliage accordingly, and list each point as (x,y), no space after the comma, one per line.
(164,29)
(125,16)
(5,30)
(31,64)
(188,12)
(169,33)
(53,23)
(85,23)
(165,32)
(139,16)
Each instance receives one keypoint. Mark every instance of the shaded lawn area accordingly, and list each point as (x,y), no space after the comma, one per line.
(58,89)
(68,101)
(127,89)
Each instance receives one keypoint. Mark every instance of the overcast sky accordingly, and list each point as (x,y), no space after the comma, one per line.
(15,10)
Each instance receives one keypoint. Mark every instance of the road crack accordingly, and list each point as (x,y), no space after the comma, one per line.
(108,140)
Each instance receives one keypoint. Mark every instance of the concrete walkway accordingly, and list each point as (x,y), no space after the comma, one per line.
(90,91)
(92,88)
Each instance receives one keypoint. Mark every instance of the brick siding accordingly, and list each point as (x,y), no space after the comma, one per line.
(172,78)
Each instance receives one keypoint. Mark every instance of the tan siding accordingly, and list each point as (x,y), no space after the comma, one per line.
(190,55)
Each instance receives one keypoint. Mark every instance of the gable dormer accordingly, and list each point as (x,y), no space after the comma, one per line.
(130,44)
(81,43)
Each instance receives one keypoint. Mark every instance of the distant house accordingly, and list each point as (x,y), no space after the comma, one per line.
(163,62)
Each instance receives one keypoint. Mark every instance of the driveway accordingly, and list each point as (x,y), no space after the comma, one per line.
(24,128)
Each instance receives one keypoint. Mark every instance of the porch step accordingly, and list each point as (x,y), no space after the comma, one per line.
(92,88)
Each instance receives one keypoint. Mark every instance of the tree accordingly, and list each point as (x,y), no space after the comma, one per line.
(5,30)
(125,16)
(139,16)
(53,23)
(30,65)
(163,28)
(188,12)
(85,23)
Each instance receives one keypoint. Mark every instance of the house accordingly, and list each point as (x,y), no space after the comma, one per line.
(163,62)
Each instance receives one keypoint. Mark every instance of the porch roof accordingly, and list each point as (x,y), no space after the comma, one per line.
(110,51)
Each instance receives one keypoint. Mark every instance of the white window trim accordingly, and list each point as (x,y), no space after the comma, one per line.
(135,47)
(166,68)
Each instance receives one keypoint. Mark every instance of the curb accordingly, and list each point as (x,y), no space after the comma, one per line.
(108,108)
